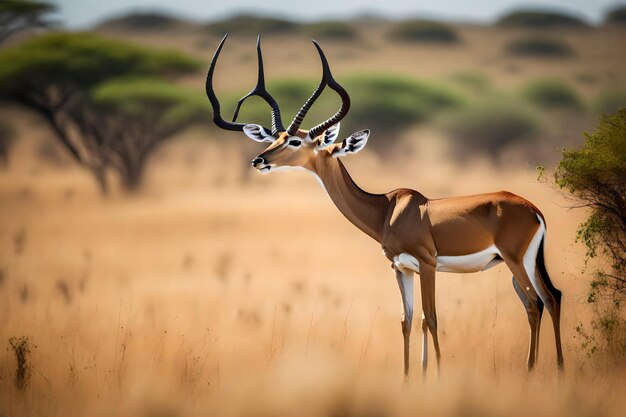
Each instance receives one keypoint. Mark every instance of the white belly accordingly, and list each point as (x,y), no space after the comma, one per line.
(473,262)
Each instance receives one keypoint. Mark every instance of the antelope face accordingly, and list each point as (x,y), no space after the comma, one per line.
(288,151)
(289,147)
(300,151)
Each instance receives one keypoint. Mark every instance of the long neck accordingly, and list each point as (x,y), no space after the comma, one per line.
(366,211)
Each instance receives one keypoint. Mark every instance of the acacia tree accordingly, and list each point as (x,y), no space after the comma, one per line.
(595,175)
(132,117)
(22,15)
(58,75)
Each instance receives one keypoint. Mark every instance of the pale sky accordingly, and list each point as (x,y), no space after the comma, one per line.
(84,13)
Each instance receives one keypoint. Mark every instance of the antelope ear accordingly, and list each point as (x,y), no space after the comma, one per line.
(258,133)
(352,144)
(329,137)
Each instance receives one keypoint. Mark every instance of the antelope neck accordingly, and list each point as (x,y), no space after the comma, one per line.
(365,210)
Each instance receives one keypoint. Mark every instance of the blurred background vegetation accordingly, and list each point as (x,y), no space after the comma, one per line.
(123,102)
(95,88)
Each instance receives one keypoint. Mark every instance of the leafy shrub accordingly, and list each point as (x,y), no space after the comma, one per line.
(616,16)
(540,19)
(610,101)
(551,94)
(252,25)
(423,31)
(490,125)
(142,21)
(539,46)
(595,176)
(332,30)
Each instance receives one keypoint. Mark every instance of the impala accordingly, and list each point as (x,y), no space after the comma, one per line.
(417,234)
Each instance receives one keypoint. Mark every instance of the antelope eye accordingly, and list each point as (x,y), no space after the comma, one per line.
(294,142)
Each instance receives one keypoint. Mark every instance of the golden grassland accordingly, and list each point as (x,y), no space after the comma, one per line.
(216,291)
(205,294)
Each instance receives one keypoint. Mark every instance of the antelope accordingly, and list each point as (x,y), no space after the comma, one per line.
(417,234)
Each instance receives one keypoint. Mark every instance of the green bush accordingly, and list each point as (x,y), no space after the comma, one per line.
(551,93)
(540,19)
(490,125)
(332,30)
(609,101)
(424,31)
(616,16)
(252,25)
(539,46)
(595,176)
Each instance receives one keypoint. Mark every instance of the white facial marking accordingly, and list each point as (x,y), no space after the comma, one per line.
(530,259)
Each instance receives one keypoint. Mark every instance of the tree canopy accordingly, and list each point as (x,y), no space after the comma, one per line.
(87,88)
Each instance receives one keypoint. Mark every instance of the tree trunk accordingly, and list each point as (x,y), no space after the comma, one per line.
(99,174)
(131,173)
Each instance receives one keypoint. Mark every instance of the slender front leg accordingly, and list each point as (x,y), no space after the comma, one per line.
(424,344)
(534,309)
(405,282)
(427,285)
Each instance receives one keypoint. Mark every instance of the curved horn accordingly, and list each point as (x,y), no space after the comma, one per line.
(260,91)
(217,118)
(297,121)
(345,100)
(327,80)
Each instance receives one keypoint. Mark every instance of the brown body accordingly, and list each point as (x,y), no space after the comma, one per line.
(404,221)
(417,234)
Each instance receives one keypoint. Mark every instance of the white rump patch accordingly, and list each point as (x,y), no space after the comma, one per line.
(530,261)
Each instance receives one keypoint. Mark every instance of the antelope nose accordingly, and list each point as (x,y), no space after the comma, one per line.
(258,160)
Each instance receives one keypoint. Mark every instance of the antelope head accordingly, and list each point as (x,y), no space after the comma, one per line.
(292,147)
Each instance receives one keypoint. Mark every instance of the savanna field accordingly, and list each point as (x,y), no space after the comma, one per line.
(216,291)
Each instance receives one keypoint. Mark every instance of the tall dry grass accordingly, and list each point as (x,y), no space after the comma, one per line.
(206,295)
(216,291)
